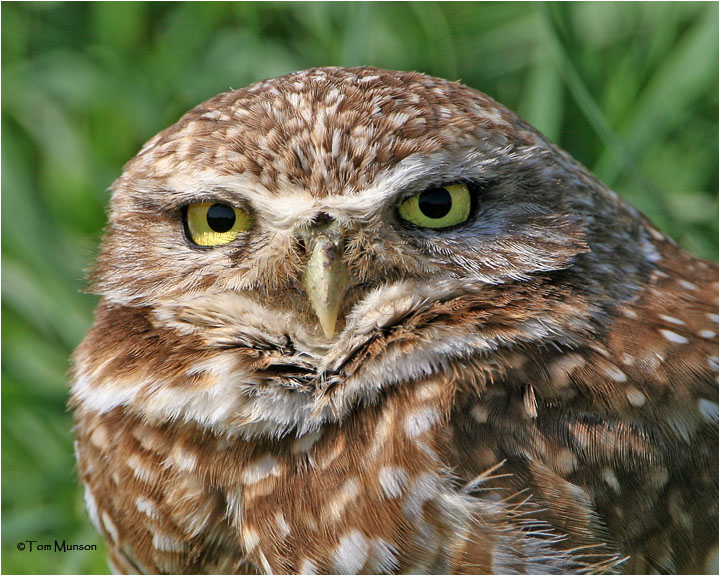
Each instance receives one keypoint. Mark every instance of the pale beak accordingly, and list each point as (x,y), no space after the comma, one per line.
(326,276)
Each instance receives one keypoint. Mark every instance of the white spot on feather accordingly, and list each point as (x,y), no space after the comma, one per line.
(146,506)
(383,431)
(282,525)
(347,494)
(384,556)
(656,234)
(712,362)
(167,543)
(307,566)
(110,527)
(306,442)
(420,421)
(92,509)
(250,539)
(424,488)
(260,469)
(708,409)
(565,461)
(615,373)
(392,481)
(672,320)
(673,337)
(212,115)
(140,471)
(182,458)
(350,556)
(480,413)
(687,285)
(427,390)
(708,334)
(563,367)
(635,397)
(99,437)
(267,569)
(611,480)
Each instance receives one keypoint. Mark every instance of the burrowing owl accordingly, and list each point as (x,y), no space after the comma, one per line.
(356,320)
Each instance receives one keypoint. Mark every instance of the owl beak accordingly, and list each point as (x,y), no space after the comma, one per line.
(326,277)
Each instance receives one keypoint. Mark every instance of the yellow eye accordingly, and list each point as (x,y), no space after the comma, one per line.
(213,223)
(439,207)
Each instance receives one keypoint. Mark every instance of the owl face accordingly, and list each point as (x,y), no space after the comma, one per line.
(299,235)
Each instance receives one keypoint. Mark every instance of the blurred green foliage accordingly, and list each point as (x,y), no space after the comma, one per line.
(629,89)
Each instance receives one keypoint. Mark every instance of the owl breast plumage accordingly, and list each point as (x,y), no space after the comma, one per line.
(357,320)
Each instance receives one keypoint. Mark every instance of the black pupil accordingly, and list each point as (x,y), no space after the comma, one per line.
(220,217)
(435,203)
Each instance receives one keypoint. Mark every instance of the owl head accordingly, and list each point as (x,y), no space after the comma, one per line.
(290,250)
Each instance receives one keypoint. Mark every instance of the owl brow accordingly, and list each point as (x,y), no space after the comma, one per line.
(169,201)
(474,184)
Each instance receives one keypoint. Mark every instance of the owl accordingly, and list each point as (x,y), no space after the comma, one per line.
(354,320)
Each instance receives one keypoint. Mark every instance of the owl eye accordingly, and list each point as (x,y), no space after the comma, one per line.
(439,207)
(213,223)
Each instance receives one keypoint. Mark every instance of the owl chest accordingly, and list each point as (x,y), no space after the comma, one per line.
(366,496)
(369,494)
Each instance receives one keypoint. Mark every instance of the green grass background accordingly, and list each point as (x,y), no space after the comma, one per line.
(631,90)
